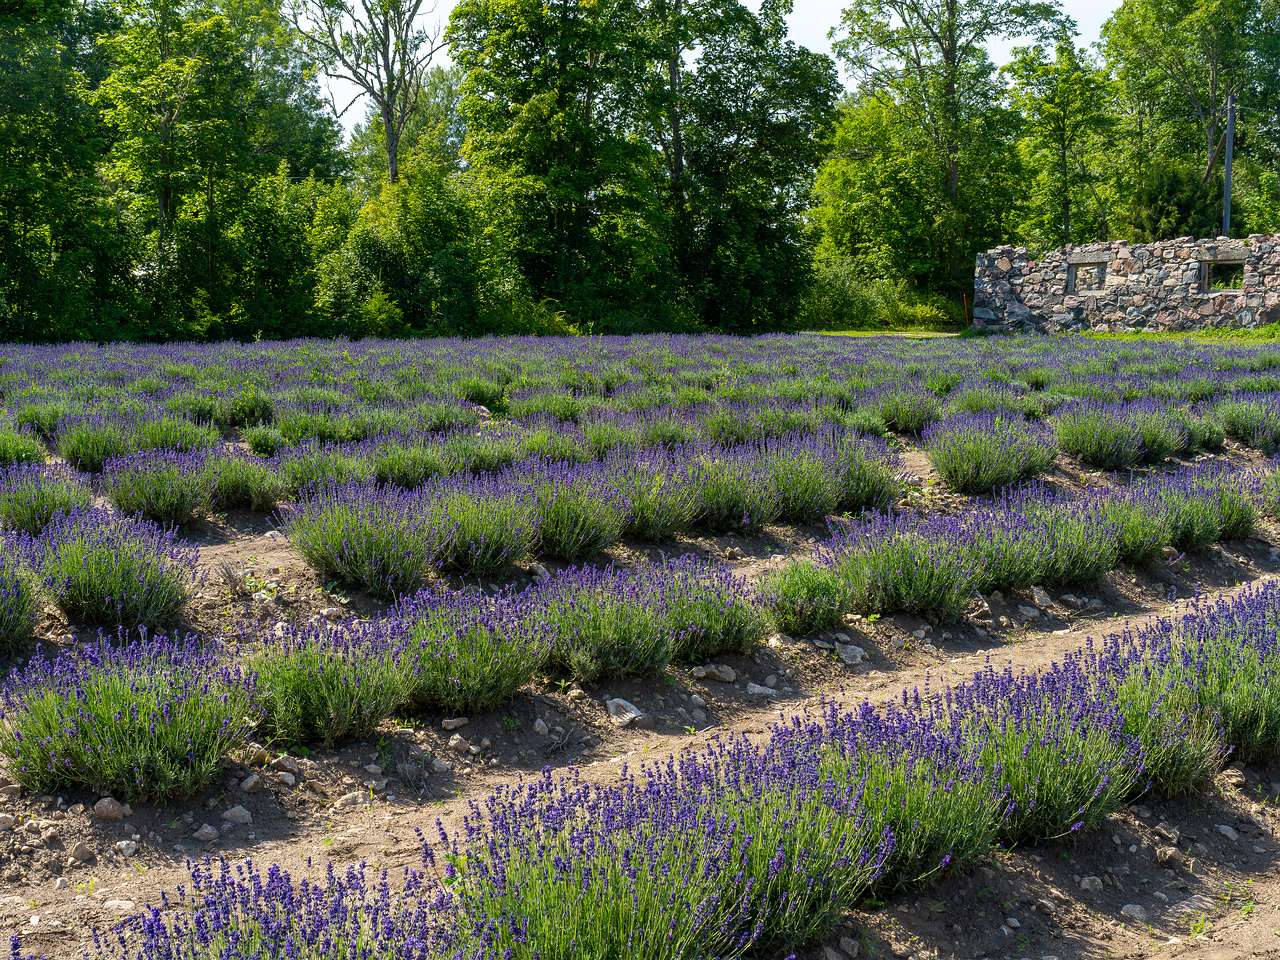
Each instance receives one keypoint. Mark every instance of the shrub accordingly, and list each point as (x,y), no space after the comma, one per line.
(43,418)
(265,441)
(19,602)
(578,513)
(112,572)
(243,484)
(898,564)
(1096,437)
(89,444)
(147,720)
(605,624)
(736,493)
(408,467)
(803,597)
(490,532)
(169,488)
(309,467)
(31,496)
(1253,422)
(467,652)
(909,411)
(18,447)
(664,498)
(383,539)
(979,453)
(172,433)
(325,684)
(708,609)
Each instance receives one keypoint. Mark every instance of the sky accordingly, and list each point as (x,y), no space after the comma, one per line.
(809,21)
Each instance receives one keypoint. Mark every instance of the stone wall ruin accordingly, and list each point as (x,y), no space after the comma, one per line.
(1183,284)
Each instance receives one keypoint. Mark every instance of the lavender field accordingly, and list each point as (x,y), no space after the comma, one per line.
(499,517)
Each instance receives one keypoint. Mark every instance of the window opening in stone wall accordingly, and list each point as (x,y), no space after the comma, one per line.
(1086,276)
(1221,275)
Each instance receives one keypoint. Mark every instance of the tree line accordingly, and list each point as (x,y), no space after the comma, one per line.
(175,169)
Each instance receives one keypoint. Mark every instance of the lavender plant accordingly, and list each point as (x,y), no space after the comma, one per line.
(978,453)
(468,652)
(322,683)
(803,597)
(19,603)
(577,512)
(110,571)
(149,719)
(385,540)
(17,446)
(32,495)
(166,487)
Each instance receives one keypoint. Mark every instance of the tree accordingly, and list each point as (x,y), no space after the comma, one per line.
(549,104)
(1186,57)
(749,117)
(63,252)
(1062,102)
(380,47)
(436,129)
(928,55)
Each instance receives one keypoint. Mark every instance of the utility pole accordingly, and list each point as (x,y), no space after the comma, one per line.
(1226,180)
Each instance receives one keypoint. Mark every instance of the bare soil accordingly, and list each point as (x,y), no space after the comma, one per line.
(368,801)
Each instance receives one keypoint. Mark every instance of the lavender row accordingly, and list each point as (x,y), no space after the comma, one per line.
(746,848)
(391,540)
(935,564)
(154,717)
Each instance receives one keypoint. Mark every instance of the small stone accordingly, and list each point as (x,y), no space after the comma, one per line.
(353,799)
(1200,903)
(108,809)
(251,783)
(1199,849)
(918,634)
(1169,855)
(456,723)
(286,764)
(82,852)
(1013,922)
(439,765)
(697,701)
(1227,832)
(540,727)
(486,744)
(539,571)
(831,953)
(61,883)
(1071,600)
(1041,598)
(237,814)
(577,693)
(1170,833)
(258,756)
(1134,911)
(720,672)
(127,848)
(1258,849)
(1170,553)
(850,947)
(331,613)
(1047,906)
(206,833)
(755,690)
(1094,604)
(373,768)
(623,712)
(458,743)
(288,779)
(1028,613)
(119,906)
(771,681)
(850,653)
(1091,884)
(733,553)
(7,821)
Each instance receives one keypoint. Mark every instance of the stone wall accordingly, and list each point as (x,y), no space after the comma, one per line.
(1120,286)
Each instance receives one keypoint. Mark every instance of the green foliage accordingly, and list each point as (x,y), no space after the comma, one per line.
(323,689)
(803,597)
